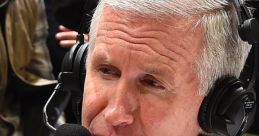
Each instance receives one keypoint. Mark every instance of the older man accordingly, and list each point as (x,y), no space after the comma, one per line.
(151,63)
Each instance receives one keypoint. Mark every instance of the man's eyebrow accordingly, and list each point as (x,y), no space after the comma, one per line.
(101,57)
(153,70)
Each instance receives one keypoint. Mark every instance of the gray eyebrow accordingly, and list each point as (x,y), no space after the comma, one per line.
(153,70)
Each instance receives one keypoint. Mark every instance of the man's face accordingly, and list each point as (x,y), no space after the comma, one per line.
(141,78)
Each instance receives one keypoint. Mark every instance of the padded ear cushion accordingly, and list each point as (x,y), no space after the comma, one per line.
(79,76)
(79,65)
(225,90)
(67,63)
(83,68)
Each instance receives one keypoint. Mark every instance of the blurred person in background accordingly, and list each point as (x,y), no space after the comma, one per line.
(26,78)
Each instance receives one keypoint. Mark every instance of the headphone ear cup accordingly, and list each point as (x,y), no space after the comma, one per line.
(79,76)
(222,110)
(68,60)
(79,66)
(203,118)
(207,108)
(83,67)
(73,74)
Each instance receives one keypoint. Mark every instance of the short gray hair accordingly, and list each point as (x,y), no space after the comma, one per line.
(223,54)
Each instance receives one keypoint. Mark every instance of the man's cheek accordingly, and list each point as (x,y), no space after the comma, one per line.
(157,112)
(93,101)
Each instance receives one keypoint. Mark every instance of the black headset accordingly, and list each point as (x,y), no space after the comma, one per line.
(230,106)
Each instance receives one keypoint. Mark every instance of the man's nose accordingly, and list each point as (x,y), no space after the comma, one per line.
(121,106)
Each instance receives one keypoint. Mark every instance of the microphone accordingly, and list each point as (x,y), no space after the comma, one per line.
(71,130)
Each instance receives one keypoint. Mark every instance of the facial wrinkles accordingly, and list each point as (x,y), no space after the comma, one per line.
(141,45)
(140,55)
(159,40)
(132,40)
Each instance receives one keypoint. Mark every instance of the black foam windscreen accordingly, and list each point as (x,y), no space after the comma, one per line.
(71,130)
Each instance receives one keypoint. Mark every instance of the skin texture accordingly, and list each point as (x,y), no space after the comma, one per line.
(141,78)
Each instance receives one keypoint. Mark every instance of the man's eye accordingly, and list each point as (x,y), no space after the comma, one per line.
(152,83)
(109,71)
(106,70)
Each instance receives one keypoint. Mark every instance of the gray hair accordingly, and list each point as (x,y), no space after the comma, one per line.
(223,54)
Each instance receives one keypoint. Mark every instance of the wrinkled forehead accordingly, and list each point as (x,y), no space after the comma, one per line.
(135,21)
(176,28)
(178,32)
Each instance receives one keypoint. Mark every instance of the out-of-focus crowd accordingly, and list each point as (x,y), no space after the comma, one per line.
(34,37)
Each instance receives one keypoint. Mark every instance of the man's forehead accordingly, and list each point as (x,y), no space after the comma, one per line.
(176,28)
(117,27)
(135,20)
